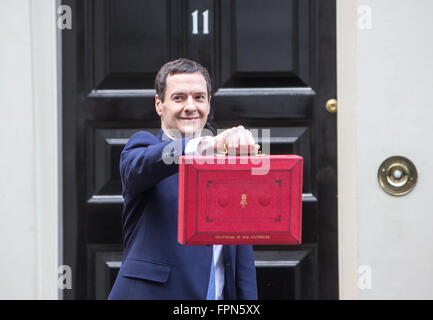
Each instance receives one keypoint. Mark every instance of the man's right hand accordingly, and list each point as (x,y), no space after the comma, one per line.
(236,140)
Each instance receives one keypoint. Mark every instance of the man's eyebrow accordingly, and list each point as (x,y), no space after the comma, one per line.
(201,92)
(181,93)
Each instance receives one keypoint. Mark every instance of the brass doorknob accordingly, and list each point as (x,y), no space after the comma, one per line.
(397,176)
(332,105)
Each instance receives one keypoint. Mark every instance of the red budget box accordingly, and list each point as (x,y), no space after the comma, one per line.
(240,199)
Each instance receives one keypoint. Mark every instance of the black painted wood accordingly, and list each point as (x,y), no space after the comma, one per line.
(273,67)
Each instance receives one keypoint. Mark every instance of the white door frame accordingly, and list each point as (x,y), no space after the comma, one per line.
(347,155)
(46,87)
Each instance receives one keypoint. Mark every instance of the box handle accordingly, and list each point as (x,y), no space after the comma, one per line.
(222,154)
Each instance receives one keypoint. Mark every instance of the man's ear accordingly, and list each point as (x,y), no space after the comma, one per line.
(158,105)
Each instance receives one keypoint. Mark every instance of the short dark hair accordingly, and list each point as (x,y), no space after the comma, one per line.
(181,65)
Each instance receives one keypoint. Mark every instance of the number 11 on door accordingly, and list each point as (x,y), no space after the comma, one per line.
(205,15)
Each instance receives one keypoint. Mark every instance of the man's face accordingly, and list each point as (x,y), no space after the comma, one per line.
(186,103)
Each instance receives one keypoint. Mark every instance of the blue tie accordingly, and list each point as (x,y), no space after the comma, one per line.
(211,288)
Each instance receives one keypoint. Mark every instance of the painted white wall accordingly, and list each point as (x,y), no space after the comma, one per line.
(18,227)
(347,155)
(29,136)
(394,115)
(393,108)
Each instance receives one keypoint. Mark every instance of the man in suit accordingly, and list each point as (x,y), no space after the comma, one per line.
(154,264)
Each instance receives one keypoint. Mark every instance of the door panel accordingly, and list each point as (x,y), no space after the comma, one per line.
(130,42)
(272,65)
(264,44)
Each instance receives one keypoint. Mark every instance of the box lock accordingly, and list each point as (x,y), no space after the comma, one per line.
(397,176)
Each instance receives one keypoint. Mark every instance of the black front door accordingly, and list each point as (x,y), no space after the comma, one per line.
(273,67)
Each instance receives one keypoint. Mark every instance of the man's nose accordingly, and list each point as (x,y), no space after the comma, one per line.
(190,105)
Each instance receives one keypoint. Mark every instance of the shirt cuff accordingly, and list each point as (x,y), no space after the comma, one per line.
(192,145)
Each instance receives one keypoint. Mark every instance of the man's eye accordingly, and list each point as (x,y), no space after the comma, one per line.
(200,97)
(177,98)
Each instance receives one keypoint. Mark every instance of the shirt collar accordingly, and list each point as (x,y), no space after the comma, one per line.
(163,134)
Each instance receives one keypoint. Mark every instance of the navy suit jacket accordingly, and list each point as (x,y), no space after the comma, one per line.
(154,264)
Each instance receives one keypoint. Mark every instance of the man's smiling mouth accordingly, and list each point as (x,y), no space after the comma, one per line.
(190,118)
